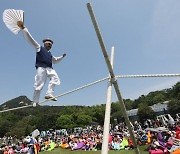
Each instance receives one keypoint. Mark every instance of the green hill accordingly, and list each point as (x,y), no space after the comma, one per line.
(16,102)
(23,121)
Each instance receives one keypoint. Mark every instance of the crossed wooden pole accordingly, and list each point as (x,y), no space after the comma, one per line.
(114,82)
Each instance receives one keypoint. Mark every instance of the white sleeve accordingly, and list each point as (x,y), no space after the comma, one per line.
(56,60)
(31,40)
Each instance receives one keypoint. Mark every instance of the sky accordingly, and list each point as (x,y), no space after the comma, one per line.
(145,36)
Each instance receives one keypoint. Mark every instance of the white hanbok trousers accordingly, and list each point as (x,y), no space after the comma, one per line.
(40,79)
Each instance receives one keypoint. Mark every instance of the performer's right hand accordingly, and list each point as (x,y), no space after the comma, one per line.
(20,24)
(64,55)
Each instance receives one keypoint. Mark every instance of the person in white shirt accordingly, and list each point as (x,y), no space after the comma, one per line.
(44,61)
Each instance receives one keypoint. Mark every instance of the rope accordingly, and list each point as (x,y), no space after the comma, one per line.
(21,107)
(150,75)
(120,76)
(93,83)
(74,90)
(71,91)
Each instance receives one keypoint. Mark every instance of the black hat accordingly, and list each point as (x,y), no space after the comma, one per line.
(48,39)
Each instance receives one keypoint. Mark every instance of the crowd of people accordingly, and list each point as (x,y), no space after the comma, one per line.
(157,137)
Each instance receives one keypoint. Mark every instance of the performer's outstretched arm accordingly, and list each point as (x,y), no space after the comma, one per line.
(28,36)
(56,60)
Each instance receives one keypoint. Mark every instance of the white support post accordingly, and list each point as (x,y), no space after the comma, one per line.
(113,79)
(107,111)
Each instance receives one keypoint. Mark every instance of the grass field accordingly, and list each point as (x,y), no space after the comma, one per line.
(68,151)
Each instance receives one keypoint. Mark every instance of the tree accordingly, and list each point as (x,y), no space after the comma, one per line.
(145,112)
(116,117)
(115,107)
(65,121)
(45,117)
(175,93)
(158,98)
(98,113)
(138,101)
(83,119)
(174,106)
(128,103)
(5,126)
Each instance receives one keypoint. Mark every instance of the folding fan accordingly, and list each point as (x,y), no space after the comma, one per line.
(11,17)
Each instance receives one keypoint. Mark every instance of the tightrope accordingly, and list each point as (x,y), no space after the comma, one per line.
(119,76)
(93,83)
(71,91)
(148,75)
(21,107)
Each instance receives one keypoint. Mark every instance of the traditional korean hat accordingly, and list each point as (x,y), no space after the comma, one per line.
(48,40)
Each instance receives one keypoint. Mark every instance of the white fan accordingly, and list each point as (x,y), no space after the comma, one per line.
(11,17)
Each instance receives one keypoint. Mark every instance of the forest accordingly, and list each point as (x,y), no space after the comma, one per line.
(23,121)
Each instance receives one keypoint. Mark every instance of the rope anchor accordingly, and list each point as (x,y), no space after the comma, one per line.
(113,79)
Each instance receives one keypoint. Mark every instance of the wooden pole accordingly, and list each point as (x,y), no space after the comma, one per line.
(113,79)
(107,112)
